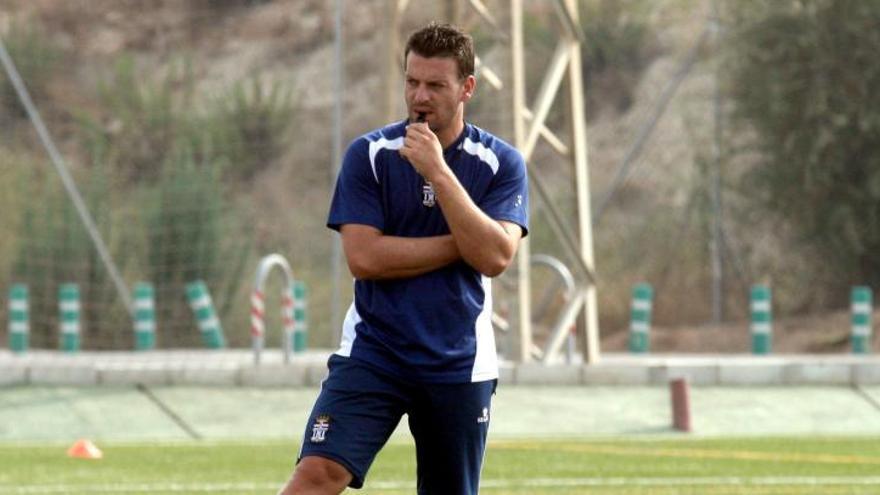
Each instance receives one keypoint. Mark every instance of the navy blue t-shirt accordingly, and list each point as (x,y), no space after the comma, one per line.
(435,327)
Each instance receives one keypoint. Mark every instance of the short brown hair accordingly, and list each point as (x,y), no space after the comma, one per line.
(443,40)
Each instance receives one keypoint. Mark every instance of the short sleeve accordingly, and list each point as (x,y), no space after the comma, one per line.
(357,198)
(508,195)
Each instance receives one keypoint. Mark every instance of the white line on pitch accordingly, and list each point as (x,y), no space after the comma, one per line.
(490,483)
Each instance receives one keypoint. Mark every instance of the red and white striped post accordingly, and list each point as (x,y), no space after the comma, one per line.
(258,322)
(258,306)
(287,308)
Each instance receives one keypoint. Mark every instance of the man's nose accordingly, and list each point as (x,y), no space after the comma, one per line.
(421,95)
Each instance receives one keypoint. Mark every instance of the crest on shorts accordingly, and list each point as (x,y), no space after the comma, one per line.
(428,195)
(484,418)
(319,429)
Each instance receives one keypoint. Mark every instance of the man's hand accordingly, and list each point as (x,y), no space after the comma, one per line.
(423,150)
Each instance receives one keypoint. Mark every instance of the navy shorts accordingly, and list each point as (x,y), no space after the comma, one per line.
(359,407)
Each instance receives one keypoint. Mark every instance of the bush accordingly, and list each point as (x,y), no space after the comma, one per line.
(142,121)
(803,78)
(193,234)
(54,248)
(246,126)
(37,61)
(159,186)
(619,45)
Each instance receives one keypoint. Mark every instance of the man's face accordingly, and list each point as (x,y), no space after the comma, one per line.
(433,88)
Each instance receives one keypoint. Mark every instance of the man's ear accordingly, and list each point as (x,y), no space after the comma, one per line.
(468,88)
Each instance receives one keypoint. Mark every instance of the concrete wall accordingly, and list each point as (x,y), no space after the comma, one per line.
(237,368)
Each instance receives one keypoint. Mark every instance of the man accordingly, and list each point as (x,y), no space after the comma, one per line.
(429,209)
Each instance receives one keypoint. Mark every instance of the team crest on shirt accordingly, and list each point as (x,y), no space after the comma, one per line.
(319,429)
(428,195)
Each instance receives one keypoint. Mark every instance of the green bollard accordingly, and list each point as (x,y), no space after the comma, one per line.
(144,317)
(69,316)
(19,318)
(862,306)
(762,319)
(640,318)
(300,326)
(206,317)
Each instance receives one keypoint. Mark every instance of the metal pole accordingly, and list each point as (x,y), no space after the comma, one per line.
(590,327)
(69,185)
(453,11)
(519,102)
(715,247)
(392,65)
(336,159)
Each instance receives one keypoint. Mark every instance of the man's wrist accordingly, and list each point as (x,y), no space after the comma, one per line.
(440,175)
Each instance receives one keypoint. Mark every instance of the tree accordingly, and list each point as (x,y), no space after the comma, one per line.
(804,80)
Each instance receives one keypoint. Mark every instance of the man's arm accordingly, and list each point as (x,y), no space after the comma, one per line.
(484,243)
(374,256)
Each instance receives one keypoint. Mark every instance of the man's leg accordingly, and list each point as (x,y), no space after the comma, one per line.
(317,476)
(355,413)
(450,424)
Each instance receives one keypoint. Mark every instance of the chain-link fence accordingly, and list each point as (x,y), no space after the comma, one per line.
(199,135)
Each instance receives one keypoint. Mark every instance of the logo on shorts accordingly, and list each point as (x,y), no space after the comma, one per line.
(485,417)
(319,429)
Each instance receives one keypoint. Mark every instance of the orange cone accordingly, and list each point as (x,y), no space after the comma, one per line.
(84,449)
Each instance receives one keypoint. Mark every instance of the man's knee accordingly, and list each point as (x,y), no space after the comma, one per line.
(317,476)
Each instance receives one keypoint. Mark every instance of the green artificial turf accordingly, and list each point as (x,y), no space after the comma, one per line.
(659,466)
